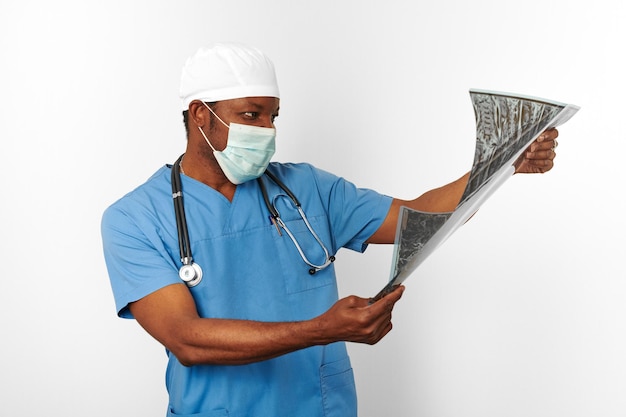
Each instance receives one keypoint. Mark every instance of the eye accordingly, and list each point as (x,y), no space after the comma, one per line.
(251,114)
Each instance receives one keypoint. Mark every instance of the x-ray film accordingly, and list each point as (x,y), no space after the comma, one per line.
(506,124)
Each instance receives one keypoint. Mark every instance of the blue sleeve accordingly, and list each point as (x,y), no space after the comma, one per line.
(355,214)
(136,260)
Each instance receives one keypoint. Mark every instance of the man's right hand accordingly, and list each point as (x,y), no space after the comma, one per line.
(355,319)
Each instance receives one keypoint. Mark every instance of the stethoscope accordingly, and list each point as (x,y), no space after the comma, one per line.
(191,273)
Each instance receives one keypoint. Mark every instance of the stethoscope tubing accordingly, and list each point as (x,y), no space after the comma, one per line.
(275,216)
(191,272)
(179,209)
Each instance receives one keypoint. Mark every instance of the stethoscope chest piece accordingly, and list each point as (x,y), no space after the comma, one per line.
(191,274)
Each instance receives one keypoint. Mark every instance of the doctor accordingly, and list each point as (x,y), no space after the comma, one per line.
(258,329)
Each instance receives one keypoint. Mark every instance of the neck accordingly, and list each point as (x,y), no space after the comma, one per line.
(205,169)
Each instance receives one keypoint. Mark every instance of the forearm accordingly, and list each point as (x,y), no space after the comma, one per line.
(238,342)
(171,317)
(442,199)
(438,200)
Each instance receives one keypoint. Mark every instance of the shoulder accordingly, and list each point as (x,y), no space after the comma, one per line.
(154,192)
(291,168)
(302,172)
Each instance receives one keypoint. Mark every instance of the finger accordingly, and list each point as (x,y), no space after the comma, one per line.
(545,145)
(381,307)
(548,135)
(541,165)
(382,332)
(548,154)
(381,310)
(396,294)
(392,298)
(545,141)
(555,143)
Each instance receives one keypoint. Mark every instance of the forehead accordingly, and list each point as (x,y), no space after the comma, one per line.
(270,104)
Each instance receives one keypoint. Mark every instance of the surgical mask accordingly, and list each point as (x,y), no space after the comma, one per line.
(248,151)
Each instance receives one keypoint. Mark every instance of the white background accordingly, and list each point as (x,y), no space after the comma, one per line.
(521,313)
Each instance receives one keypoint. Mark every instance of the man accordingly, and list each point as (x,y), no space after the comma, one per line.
(258,329)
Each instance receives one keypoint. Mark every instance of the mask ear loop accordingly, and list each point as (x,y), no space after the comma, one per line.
(206,139)
(218,118)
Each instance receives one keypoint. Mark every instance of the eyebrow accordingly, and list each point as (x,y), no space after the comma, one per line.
(258,106)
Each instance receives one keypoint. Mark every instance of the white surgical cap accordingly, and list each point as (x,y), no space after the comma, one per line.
(224,71)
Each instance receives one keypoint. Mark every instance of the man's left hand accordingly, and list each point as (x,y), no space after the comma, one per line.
(539,156)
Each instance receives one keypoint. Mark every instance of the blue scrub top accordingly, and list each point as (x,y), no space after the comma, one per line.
(250,272)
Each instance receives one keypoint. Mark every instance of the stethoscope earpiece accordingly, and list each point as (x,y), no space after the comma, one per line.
(313,270)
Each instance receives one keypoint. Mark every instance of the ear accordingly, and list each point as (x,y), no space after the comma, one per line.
(198,113)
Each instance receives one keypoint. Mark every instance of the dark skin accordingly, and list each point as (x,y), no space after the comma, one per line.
(170,315)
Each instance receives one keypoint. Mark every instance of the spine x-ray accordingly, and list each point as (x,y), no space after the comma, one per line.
(506,124)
